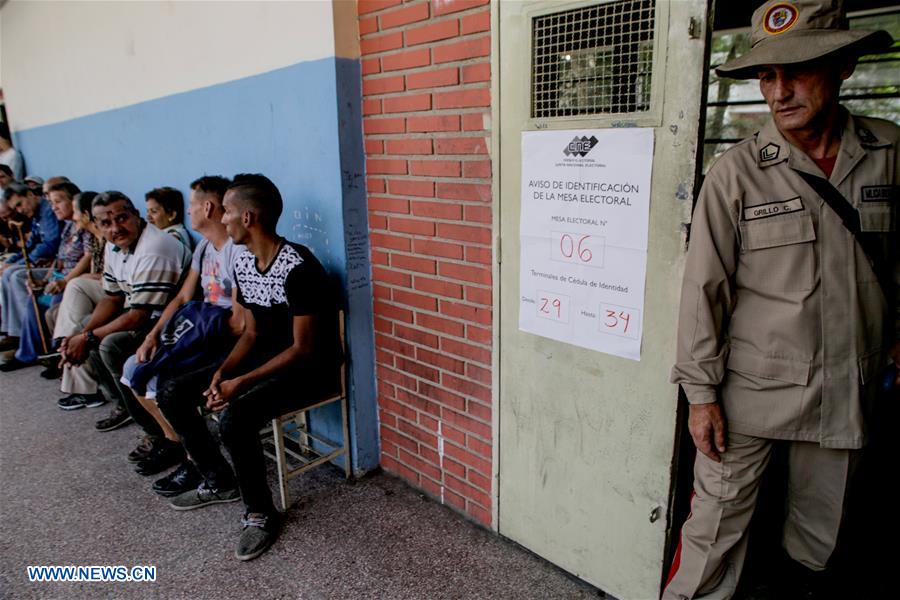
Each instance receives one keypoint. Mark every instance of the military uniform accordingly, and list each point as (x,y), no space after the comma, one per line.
(783,320)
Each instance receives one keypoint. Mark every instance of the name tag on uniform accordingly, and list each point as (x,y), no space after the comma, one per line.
(880,193)
(771,209)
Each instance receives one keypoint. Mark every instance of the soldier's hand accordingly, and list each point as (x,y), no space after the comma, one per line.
(707,426)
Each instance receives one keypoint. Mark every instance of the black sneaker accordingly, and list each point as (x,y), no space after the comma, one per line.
(203,496)
(183,479)
(51,372)
(14,364)
(259,533)
(143,449)
(164,455)
(71,402)
(119,417)
(93,400)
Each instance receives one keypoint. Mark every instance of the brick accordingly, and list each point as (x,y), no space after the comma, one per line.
(428,422)
(479,411)
(474,122)
(471,23)
(433,123)
(388,448)
(396,439)
(380,43)
(417,336)
(435,248)
(392,242)
(374,147)
(377,222)
(370,66)
(409,187)
(393,205)
(367,6)
(393,376)
(379,257)
(382,85)
(479,480)
(433,78)
(385,389)
(464,233)
(438,287)
(417,433)
(375,126)
(413,103)
(466,312)
(456,468)
(463,386)
(441,361)
(463,50)
(480,296)
(393,312)
(434,168)
(443,397)
(478,463)
(392,277)
(460,146)
(468,273)
(464,488)
(463,98)
(418,369)
(375,185)
(413,263)
(445,7)
(479,514)
(479,255)
(429,455)
(465,350)
(454,500)
(380,292)
(479,335)
(477,72)
(453,434)
(422,405)
(477,168)
(440,324)
(477,214)
(401,410)
(390,166)
(406,60)
(437,210)
(431,488)
(411,14)
(383,325)
(415,300)
(392,465)
(412,226)
(417,147)
(464,191)
(479,374)
(441,30)
(479,448)
(368,25)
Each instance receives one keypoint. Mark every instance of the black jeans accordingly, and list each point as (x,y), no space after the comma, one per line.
(239,425)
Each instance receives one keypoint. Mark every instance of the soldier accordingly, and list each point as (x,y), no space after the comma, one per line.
(789,315)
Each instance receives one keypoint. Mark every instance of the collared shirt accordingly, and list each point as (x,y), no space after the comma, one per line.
(46,233)
(782,317)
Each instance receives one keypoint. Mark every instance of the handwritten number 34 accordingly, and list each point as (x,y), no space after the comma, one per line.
(612,319)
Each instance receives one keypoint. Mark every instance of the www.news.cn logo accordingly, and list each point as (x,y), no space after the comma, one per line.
(580,146)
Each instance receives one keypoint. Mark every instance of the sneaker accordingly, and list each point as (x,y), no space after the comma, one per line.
(14,364)
(119,417)
(204,496)
(258,534)
(71,402)
(94,400)
(142,450)
(164,455)
(183,479)
(51,372)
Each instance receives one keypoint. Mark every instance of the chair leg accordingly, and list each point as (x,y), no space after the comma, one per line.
(281,461)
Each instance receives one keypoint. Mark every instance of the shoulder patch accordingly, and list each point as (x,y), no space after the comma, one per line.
(866,136)
(769,152)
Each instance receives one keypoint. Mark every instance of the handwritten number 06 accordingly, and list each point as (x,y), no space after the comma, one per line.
(567,250)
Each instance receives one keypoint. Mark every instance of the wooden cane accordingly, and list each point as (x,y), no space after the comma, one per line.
(30,282)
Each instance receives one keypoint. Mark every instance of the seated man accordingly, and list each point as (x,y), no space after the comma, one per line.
(200,335)
(143,267)
(42,246)
(286,357)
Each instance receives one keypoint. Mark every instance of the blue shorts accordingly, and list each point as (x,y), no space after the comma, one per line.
(128,373)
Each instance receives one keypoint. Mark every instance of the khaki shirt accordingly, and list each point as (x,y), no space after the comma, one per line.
(782,317)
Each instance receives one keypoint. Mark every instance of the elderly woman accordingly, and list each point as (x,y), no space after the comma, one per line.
(72,259)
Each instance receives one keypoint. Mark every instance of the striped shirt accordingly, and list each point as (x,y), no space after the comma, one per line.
(151,274)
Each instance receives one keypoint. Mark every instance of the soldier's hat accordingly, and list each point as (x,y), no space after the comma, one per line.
(796,31)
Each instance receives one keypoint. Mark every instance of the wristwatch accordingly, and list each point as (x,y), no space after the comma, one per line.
(91,339)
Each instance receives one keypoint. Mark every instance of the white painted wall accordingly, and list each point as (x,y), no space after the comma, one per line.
(63,59)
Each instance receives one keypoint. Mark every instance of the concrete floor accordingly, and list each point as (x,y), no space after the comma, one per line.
(68,497)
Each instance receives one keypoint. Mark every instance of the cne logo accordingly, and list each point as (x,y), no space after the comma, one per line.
(779,18)
(580,146)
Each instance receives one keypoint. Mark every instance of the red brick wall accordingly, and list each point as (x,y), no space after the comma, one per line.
(426,106)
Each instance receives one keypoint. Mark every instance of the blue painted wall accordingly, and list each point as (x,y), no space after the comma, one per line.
(289,124)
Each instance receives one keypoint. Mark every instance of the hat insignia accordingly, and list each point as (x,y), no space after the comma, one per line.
(769,152)
(779,18)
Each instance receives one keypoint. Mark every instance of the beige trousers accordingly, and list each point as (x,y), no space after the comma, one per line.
(79,299)
(713,544)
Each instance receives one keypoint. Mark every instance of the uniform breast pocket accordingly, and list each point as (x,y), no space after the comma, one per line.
(778,254)
(877,217)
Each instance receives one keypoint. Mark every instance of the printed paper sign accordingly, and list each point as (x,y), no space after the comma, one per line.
(585,215)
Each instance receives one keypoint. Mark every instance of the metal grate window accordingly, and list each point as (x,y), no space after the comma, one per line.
(592,60)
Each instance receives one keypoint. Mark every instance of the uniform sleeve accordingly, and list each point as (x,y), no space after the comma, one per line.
(707,294)
(308,289)
(154,281)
